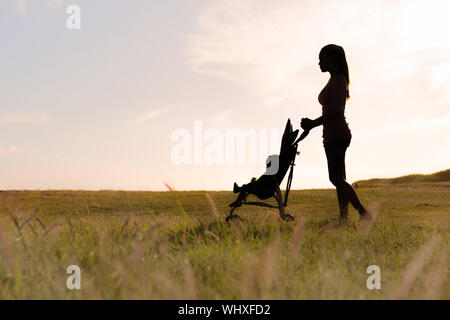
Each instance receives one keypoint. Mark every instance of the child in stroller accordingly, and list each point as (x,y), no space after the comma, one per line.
(268,185)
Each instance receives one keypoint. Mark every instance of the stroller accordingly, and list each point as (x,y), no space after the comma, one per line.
(268,185)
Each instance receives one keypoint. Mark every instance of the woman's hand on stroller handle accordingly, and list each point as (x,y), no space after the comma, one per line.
(306,124)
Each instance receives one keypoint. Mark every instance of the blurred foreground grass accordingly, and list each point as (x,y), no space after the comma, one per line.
(141,245)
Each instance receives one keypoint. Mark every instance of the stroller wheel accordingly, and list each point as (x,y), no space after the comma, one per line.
(288,217)
(232,217)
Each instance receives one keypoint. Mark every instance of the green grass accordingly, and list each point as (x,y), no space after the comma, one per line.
(163,245)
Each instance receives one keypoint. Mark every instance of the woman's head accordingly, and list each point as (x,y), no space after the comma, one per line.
(332,59)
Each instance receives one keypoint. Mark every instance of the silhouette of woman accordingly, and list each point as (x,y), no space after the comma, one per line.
(336,133)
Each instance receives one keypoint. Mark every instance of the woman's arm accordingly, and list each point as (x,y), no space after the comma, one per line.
(318,122)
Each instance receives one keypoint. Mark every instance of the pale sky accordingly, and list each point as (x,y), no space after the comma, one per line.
(100,107)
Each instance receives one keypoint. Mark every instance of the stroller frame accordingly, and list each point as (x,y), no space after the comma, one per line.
(282,203)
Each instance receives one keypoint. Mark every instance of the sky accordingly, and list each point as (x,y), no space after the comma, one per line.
(153,92)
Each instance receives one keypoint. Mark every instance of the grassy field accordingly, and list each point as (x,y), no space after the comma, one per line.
(175,245)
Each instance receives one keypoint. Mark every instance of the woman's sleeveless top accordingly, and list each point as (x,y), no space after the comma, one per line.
(337,128)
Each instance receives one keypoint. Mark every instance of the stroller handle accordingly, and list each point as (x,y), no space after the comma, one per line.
(302,136)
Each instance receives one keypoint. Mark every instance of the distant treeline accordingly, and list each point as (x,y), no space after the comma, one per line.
(412,178)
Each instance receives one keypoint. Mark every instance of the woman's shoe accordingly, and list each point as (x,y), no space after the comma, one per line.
(365,216)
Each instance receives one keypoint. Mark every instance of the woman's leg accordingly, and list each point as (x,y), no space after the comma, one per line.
(339,170)
(343,201)
(336,171)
